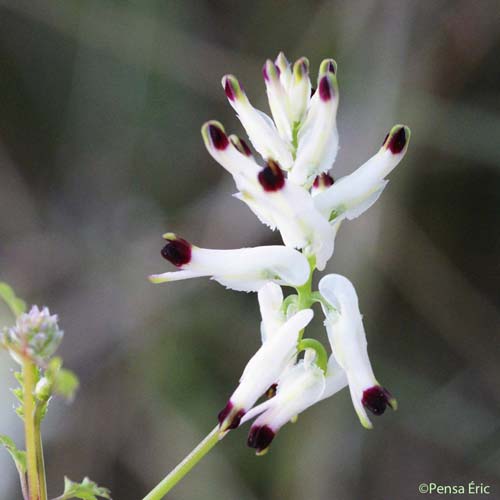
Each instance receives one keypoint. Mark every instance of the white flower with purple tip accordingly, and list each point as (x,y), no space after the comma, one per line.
(347,338)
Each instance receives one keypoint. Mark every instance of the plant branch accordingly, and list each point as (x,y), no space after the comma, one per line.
(29,370)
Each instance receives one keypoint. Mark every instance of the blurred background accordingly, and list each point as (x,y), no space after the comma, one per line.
(100,153)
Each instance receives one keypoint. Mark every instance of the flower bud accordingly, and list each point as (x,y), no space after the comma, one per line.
(36,335)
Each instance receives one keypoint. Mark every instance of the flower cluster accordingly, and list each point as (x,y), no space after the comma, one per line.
(35,335)
(294,193)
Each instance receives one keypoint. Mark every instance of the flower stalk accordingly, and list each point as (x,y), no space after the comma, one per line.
(164,486)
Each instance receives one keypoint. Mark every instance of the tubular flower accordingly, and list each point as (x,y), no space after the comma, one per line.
(348,341)
(245,269)
(264,368)
(290,189)
(352,195)
(298,388)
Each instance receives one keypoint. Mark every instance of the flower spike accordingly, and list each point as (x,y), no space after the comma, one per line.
(245,269)
(353,194)
(292,191)
(347,337)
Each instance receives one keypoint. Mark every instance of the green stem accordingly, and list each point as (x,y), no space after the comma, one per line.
(185,466)
(39,452)
(305,292)
(29,377)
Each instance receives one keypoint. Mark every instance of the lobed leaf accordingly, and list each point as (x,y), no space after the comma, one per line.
(17,455)
(86,490)
(16,305)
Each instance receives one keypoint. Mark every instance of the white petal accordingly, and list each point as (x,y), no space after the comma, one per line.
(347,338)
(278,100)
(259,127)
(285,70)
(270,301)
(245,269)
(299,388)
(335,380)
(267,364)
(355,193)
(318,136)
(300,224)
(221,148)
(299,92)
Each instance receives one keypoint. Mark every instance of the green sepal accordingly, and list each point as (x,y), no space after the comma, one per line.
(86,490)
(16,305)
(19,456)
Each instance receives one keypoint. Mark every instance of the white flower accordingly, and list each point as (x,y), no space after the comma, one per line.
(276,201)
(264,369)
(348,341)
(298,388)
(245,269)
(271,310)
(288,92)
(352,195)
(259,127)
(318,139)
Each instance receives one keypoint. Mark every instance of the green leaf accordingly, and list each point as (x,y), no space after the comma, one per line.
(17,306)
(86,490)
(66,383)
(18,456)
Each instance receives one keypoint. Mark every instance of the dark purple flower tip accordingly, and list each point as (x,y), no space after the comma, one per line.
(218,136)
(229,417)
(177,251)
(264,72)
(377,399)
(331,67)
(271,177)
(260,438)
(325,89)
(241,145)
(271,392)
(397,139)
(323,180)
(229,89)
